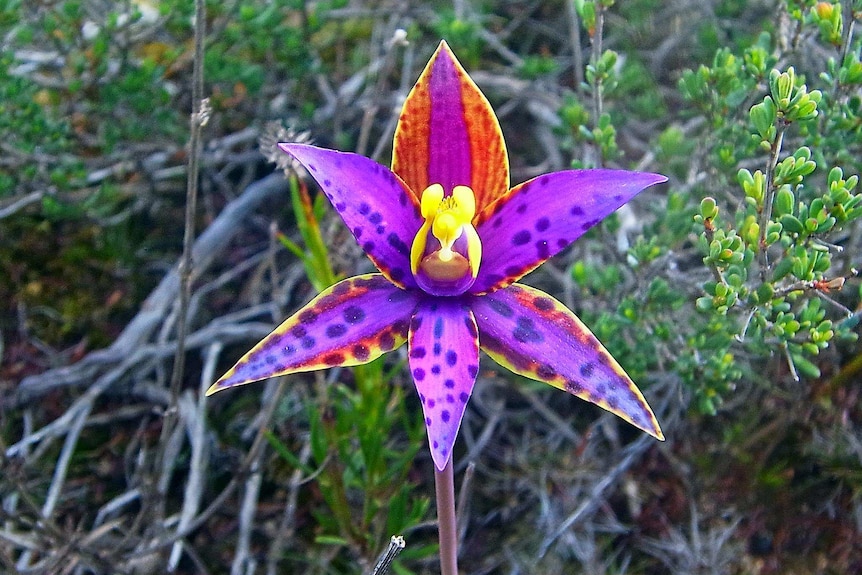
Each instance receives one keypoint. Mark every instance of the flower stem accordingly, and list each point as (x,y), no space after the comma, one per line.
(444,483)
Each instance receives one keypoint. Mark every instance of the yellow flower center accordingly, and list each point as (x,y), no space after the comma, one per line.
(447,262)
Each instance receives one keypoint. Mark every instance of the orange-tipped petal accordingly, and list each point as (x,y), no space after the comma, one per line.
(448,134)
(351,323)
(534,335)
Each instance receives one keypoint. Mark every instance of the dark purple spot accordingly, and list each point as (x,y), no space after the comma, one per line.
(525,332)
(543,304)
(360,352)
(436,445)
(418,374)
(375,218)
(438,349)
(501,307)
(463,397)
(431,403)
(327,183)
(438,328)
(451,358)
(573,387)
(386,340)
(601,390)
(312,167)
(589,224)
(340,206)
(618,197)
(368,247)
(576,211)
(399,245)
(513,271)
(587,369)
(307,342)
(396,274)
(473,370)
(521,238)
(380,230)
(402,198)
(288,350)
(521,209)
(353,314)
(335,330)
(444,415)
(417,352)
(364,209)
(449,383)
(427,421)
(545,371)
(450,398)
(605,358)
(561,243)
(333,359)
(542,224)
(270,360)
(308,316)
(435,369)
(497,222)
(543,181)
(613,402)
(298,331)
(342,288)
(401,327)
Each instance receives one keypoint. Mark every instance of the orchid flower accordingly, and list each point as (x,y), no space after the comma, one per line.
(451,239)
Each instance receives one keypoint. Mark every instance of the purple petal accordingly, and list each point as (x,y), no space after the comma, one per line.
(540,217)
(351,323)
(444,361)
(378,208)
(534,335)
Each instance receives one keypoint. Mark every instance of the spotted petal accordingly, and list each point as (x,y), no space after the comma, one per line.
(448,134)
(534,335)
(351,323)
(540,217)
(374,203)
(444,361)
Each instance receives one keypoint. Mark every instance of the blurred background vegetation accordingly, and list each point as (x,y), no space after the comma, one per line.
(730,294)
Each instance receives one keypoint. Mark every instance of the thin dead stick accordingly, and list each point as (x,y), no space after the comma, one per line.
(196,413)
(631,454)
(396,546)
(199,117)
(287,527)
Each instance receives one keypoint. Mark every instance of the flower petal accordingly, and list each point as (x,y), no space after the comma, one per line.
(351,323)
(534,335)
(444,361)
(448,134)
(374,203)
(540,217)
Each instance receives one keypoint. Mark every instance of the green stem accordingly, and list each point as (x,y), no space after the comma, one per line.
(766,214)
(444,483)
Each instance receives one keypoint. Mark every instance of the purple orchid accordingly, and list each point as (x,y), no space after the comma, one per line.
(450,239)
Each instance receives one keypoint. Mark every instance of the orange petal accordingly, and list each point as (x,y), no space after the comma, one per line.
(448,134)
